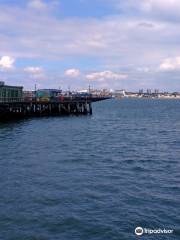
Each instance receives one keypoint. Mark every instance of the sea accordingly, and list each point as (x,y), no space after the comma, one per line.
(93,177)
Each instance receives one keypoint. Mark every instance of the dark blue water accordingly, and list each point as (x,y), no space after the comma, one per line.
(93,177)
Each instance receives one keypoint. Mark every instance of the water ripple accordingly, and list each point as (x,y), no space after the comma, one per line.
(93,177)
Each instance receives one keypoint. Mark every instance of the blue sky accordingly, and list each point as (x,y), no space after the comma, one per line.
(115,44)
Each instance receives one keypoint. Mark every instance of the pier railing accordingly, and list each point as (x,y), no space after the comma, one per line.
(45,100)
(35,99)
(49,100)
(7,100)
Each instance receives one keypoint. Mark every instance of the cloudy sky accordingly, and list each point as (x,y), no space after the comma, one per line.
(115,44)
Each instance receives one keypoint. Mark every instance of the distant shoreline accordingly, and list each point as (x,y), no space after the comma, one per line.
(153,98)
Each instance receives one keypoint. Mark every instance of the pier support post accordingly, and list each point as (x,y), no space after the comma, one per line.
(90,108)
(59,107)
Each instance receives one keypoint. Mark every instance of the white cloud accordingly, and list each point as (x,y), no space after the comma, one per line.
(170,64)
(113,42)
(107,39)
(153,7)
(7,62)
(73,72)
(160,5)
(33,70)
(35,73)
(37,4)
(105,75)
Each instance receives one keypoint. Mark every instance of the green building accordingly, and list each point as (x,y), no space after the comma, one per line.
(10,92)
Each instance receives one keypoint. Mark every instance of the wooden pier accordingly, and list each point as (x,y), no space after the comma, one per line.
(19,108)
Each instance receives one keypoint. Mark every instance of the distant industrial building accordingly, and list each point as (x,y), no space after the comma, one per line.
(156,91)
(119,93)
(149,91)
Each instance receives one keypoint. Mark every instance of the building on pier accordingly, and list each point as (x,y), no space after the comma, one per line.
(47,94)
(10,92)
(28,95)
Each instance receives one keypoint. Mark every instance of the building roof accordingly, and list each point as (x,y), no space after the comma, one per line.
(7,86)
(50,90)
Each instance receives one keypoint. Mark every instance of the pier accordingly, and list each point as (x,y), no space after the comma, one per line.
(16,103)
(18,108)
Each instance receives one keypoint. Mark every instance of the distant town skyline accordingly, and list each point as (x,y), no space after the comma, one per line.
(114,44)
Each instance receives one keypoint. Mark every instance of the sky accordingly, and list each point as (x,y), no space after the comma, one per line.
(114,44)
